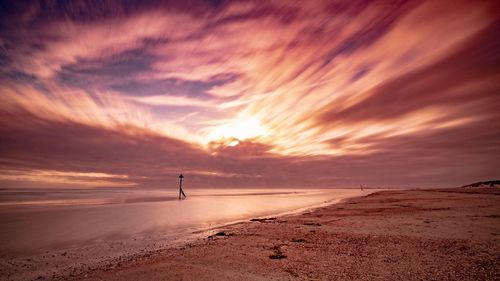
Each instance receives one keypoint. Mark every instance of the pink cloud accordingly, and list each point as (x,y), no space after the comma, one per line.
(336,88)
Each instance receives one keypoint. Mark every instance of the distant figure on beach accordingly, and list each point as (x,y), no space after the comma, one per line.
(181,192)
(361,187)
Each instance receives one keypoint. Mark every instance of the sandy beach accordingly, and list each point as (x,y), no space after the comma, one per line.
(446,234)
(249,140)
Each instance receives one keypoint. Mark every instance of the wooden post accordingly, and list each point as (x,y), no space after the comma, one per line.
(180,187)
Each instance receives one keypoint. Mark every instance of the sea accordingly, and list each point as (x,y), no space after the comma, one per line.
(40,220)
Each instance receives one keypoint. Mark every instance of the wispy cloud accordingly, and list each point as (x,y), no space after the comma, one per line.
(165,100)
(245,88)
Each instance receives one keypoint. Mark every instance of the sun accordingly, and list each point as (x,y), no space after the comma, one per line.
(238,129)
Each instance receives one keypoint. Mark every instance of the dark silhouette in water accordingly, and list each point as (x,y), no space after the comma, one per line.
(492,183)
(181,192)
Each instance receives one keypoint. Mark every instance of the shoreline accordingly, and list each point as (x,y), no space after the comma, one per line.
(66,260)
(443,234)
(204,231)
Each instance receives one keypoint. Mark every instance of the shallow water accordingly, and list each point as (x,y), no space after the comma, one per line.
(38,220)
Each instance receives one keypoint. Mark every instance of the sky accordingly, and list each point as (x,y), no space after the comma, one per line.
(97,94)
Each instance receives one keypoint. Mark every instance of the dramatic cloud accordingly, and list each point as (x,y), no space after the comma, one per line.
(249,93)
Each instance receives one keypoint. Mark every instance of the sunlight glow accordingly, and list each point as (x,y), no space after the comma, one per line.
(234,143)
(240,129)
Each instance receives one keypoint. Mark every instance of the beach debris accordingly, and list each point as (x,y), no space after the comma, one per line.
(299,240)
(312,223)
(278,253)
(220,233)
(263,219)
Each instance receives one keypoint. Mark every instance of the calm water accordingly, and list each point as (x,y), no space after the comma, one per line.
(37,220)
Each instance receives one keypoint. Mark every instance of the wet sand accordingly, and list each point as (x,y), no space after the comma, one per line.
(447,234)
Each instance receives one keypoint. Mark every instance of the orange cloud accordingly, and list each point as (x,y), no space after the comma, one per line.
(240,89)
